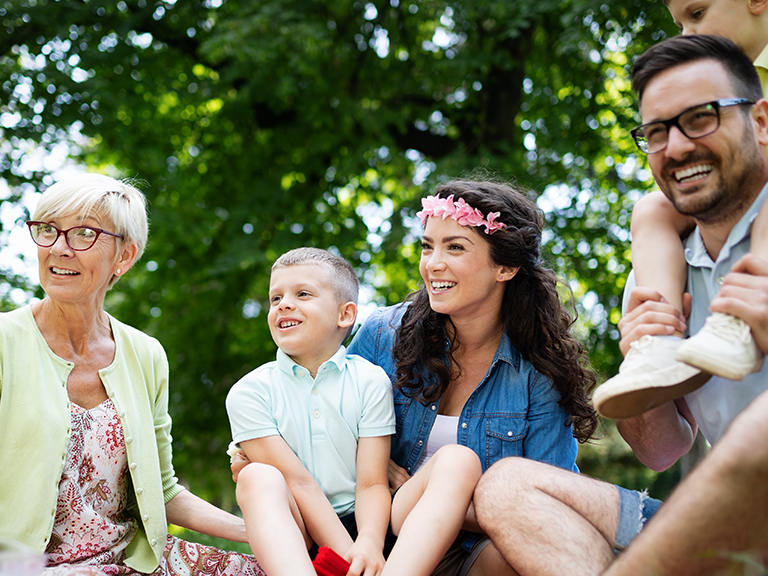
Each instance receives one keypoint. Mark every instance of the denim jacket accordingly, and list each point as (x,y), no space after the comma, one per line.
(514,411)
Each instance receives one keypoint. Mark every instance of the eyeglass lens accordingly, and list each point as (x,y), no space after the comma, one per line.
(695,123)
(78,238)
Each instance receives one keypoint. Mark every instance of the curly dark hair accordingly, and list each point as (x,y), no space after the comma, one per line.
(535,320)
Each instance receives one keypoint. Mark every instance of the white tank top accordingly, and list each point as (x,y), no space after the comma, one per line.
(444,431)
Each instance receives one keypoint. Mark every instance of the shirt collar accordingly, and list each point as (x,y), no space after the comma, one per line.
(506,352)
(696,253)
(762,60)
(286,364)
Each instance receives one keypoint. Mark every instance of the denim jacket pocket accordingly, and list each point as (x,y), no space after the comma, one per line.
(504,437)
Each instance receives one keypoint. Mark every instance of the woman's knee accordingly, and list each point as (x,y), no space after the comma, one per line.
(458,461)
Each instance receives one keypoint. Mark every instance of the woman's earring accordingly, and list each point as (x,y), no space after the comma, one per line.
(118,271)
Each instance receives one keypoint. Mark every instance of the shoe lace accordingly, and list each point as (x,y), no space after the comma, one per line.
(729,327)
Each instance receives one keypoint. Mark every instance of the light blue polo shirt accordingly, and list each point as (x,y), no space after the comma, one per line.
(320,418)
(719,401)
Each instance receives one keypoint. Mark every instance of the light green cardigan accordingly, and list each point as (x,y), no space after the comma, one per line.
(35,430)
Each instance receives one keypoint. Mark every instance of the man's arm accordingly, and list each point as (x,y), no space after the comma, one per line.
(372,505)
(660,436)
(321,522)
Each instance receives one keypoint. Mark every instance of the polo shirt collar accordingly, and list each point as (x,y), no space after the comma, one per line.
(286,364)
(696,253)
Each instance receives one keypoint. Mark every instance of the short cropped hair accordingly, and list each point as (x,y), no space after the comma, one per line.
(83,195)
(687,49)
(340,274)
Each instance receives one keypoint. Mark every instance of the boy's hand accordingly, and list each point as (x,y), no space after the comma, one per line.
(365,558)
(396,476)
(237,461)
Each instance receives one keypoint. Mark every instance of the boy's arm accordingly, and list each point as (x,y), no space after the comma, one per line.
(320,520)
(372,506)
(657,251)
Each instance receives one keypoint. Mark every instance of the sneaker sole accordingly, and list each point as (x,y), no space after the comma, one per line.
(720,367)
(634,398)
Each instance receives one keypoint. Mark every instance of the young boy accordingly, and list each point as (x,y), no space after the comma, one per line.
(316,425)
(652,372)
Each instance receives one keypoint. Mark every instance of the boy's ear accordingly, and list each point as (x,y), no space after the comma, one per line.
(347,314)
(756,7)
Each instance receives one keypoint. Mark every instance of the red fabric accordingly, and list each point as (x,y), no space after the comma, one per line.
(328,563)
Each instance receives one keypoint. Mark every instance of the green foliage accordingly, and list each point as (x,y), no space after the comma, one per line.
(260,126)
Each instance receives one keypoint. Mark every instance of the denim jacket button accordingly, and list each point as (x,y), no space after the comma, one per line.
(434,407)
(463,424)
(421,443)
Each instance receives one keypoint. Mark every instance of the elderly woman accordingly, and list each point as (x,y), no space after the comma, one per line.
(85,436)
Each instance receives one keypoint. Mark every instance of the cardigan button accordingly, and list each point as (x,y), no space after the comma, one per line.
(139,491)
(153,542)
(145,518)
(128,440)
(133,465)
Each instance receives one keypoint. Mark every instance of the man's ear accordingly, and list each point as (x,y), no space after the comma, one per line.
(756,7)
(760,116)
(347,314)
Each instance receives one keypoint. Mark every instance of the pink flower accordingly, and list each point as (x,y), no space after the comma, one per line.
(460,211)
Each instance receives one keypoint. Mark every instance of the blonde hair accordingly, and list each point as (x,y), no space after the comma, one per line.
(340,274)
(83,194)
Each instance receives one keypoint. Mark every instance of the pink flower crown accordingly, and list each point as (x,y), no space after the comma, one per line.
(460,211)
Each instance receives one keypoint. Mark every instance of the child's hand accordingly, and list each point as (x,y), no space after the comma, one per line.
(237,460)
(365,558)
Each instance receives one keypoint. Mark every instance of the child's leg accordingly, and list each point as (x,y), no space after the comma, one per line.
(429,510)
(273,522)
(650,375)
(657,250)
(759,237)
(724,345)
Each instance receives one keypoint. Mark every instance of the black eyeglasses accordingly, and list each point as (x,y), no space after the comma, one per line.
(78,238)
(695,122)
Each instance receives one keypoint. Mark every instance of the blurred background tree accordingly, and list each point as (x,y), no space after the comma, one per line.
(263,125)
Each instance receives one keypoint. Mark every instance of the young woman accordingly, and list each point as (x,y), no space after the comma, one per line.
(481,355)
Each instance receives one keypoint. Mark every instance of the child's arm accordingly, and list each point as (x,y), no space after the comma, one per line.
(321,522)
(372,504)
(657,252)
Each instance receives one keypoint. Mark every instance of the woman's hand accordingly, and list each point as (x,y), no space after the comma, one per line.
(396,476)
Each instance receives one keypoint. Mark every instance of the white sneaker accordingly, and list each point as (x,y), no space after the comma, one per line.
(649,376)
(724,346)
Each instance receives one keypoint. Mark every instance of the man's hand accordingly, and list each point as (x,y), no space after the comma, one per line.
(396,476)
(744,294)
(365,558)
(649,313)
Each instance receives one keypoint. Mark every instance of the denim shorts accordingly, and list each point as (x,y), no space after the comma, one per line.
(635,509)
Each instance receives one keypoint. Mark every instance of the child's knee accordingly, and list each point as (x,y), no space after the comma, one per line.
(259,479)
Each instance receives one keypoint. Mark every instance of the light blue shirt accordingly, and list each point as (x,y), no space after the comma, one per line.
(719,401)
(321,418)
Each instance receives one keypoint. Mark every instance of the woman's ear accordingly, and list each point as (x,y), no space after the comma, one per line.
(347,314)
(126,257)
(756,7)
(506,273)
